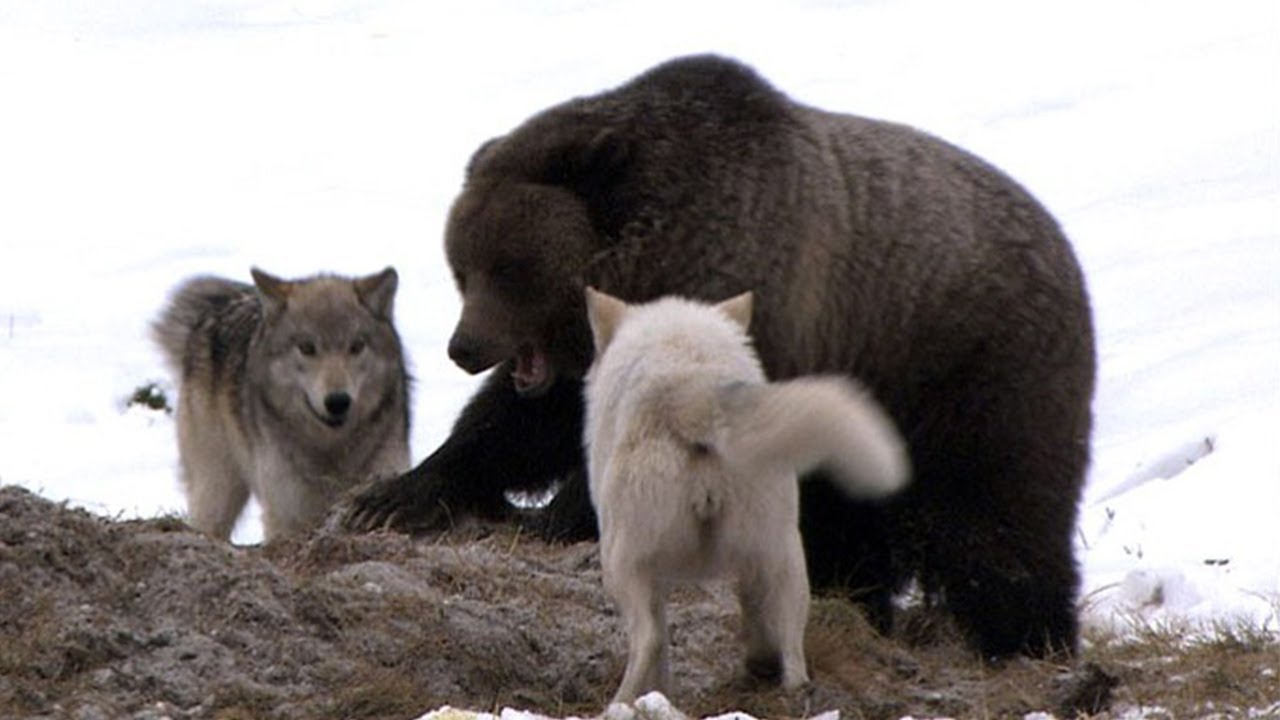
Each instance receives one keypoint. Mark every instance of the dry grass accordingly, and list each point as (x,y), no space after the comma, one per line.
(116,617)
(1225,669)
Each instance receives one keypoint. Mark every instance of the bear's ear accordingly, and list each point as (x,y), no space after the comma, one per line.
(378,291)
(478,156)
(588,160)
(738,308)
(604,312)
(272,291)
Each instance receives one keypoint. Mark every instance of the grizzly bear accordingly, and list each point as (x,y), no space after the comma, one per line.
(873,249)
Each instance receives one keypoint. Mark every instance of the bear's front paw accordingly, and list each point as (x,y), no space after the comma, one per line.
(412,502)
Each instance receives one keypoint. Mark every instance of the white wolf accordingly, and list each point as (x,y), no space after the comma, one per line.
(693,459)
(293,391)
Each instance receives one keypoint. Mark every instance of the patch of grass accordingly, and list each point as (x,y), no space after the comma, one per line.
(36,645)
(377,692)
(927,669)
(1225,667)
(239,702)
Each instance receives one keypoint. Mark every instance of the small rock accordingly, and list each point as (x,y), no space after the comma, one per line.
(1086,691)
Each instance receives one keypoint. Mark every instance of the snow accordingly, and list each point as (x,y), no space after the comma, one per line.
(142,142)
(651,706)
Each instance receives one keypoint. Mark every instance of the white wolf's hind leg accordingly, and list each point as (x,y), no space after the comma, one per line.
(774,593)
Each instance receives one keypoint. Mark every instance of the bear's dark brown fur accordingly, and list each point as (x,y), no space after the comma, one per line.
(872,249)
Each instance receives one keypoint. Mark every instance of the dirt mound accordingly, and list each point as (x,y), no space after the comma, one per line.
(147,619)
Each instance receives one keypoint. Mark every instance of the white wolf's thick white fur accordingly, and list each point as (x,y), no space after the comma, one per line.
(693,459)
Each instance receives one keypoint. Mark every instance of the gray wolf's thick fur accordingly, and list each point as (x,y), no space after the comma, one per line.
(292,391)
(693,461)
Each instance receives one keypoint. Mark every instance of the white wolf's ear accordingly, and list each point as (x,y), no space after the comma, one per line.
(378,291)
(604,312)
(738,308)
(273,291)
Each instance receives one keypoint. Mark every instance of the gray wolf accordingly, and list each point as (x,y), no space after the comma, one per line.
(876,251)
(692,458)
(292,391)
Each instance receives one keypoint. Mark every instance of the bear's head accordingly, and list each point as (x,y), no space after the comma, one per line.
(519,240)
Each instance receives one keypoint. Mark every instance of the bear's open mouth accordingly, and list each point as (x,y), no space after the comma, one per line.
(532,374)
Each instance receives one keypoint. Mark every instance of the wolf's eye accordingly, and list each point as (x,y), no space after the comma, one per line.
(307,348)
(357,346)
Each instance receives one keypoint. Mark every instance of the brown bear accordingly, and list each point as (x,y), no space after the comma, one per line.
(873,249)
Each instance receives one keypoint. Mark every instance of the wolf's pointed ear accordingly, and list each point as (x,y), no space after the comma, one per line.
(738,308)
(604,312)
(378,292)
(272,291)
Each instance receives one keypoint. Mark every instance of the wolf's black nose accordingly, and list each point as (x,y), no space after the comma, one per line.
(337,403)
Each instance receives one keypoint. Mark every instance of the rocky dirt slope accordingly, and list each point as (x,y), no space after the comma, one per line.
(146,619)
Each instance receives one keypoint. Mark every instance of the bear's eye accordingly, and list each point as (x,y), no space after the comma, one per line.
(306,348)
(357,346)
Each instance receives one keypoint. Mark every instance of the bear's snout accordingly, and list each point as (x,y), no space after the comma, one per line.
(471,353)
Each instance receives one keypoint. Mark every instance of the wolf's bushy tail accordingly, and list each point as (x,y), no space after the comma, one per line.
(807,422)
(194,302)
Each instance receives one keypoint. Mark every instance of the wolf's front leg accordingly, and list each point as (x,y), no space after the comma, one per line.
(215,499)
(501,441)
(216,488)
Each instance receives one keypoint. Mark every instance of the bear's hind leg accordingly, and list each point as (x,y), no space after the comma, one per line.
(998,521)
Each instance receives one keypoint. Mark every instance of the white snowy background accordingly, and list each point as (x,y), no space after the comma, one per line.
(143,141)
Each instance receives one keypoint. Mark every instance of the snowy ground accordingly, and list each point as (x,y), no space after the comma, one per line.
(141,142)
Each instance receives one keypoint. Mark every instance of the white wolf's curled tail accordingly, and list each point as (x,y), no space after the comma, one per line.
(807,422)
